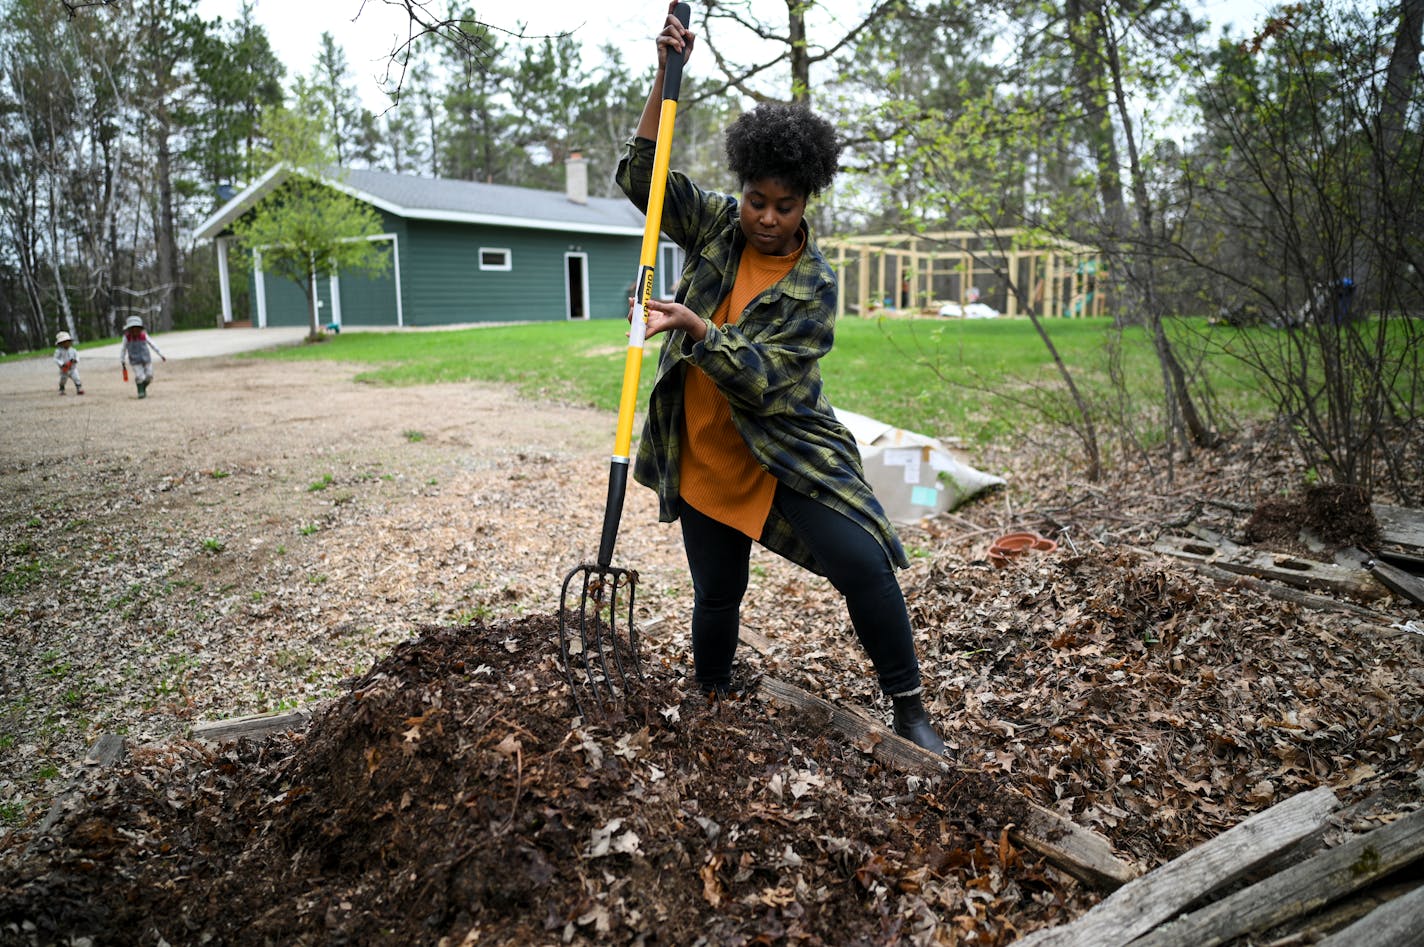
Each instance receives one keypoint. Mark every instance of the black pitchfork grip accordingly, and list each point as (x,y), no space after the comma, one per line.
(672,78)
(612,511)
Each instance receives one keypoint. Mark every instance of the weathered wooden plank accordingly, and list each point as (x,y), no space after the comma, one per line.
(1142,904)
(1398,581)
(105,752)
(1078,851)
(251,726)
(1396,923)
(1400,524)
(1291,570)
(1277,591)
(1300,889)
(1321,924)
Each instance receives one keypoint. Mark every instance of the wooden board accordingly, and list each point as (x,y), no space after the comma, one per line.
(1398,581)
(1299,890)
(1398,923)
(106,751)
(1078,851)
(1400,524)
(251,726)
(1145,902)
(1282,592)
(1290,570)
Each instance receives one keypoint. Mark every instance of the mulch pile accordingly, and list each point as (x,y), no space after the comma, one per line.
(447,799)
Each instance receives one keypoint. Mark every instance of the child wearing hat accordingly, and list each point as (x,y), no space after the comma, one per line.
(135,354)
(66,356)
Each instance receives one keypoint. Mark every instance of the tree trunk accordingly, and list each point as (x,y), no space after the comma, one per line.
(314,325)
(166,242)
(800,56)
(1402,77)
(1086,34)
(1181,406)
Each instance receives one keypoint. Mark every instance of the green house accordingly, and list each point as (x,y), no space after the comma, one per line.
(461,252)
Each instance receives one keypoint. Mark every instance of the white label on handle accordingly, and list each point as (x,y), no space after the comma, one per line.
(638,328)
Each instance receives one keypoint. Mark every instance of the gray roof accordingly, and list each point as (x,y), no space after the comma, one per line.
(440,198)
(412,197)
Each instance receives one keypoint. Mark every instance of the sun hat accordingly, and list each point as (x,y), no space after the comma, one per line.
(133,322)
(63,337)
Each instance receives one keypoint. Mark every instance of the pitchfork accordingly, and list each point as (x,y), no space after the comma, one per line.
(585,654)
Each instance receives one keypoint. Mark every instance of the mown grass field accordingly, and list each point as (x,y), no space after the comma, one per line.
(968,378)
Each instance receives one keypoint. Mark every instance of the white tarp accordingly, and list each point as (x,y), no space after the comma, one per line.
(913,475)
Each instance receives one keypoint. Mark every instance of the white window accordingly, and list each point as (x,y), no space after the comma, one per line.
(669,269)
(496,258)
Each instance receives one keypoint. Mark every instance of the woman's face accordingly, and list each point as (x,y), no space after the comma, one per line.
(771,216)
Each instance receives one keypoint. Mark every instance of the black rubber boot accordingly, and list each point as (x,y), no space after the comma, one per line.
(912,722)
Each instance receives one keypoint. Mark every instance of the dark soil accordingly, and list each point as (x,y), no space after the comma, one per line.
(446,796)
(1339,514)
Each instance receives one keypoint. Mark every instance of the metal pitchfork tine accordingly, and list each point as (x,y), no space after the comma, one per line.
(597,632)
(599,582)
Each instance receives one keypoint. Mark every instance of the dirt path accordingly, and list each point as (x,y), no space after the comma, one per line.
(253,533)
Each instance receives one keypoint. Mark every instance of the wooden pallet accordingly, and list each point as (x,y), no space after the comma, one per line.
(1270,873)
(1295,571)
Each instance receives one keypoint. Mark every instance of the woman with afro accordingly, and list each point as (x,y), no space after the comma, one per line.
(739,442)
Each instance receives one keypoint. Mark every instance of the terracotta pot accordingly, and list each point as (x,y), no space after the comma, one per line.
(1014,545)
(1018,542)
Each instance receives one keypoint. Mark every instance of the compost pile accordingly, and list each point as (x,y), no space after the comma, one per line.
(446,796)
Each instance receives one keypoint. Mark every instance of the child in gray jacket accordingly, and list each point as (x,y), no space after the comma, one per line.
(66,356)
(135,354)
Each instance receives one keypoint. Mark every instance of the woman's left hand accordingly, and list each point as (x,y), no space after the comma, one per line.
(667,316)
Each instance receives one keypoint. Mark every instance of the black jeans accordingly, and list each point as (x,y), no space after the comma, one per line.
(855,563)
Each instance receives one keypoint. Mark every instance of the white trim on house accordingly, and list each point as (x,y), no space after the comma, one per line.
(669,268)
(506,266)
(224,280)
(259,286)
(582,256)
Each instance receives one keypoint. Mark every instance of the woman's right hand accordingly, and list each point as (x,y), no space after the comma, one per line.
(674,36)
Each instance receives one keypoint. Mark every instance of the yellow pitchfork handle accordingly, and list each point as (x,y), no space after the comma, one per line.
(643,291)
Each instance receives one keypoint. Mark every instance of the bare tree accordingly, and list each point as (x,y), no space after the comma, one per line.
(726,23)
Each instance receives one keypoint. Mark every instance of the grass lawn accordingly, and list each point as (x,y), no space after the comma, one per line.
(941,377)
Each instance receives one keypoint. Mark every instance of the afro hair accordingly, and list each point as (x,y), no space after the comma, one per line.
(788,143)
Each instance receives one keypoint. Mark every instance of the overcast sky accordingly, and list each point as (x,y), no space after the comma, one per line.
(369,29)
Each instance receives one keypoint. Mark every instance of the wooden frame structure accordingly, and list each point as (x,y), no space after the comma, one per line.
(919,274)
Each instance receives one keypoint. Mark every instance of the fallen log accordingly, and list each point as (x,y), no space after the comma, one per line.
(1300,889)
(1142,904)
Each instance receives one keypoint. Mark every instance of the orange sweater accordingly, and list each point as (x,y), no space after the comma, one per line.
(719,476)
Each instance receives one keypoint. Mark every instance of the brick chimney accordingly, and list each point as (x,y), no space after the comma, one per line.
(576,178)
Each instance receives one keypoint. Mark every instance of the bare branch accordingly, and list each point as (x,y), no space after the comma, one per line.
(73,8)
(466,36)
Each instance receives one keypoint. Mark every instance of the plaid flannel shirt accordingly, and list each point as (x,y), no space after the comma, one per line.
(767,365)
